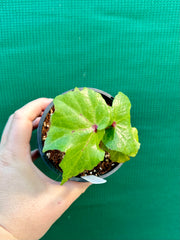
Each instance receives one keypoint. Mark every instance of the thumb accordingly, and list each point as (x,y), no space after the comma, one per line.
(69,191)
(64,195)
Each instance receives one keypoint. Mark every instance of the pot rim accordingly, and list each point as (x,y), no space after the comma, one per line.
(40,145)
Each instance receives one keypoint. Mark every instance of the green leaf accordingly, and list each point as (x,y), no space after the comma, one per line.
(85,155)
(118,157)
(114,155)
(120,136)
(77,127)
(82,120)
(136,139)
(76,112)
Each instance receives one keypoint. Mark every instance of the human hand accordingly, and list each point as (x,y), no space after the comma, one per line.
(30,202)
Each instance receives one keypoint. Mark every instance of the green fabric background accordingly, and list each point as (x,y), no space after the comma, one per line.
(50,46)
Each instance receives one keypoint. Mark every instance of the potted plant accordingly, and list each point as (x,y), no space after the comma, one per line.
(86,131)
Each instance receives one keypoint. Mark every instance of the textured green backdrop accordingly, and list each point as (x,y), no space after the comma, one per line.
(50,46)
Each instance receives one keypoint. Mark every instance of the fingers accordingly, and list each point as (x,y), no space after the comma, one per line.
(35,154)
(24,120)
(36,122)
(6,130)
(8,124)
(33,109)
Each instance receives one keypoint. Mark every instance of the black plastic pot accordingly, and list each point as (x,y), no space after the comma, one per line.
(108,98)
